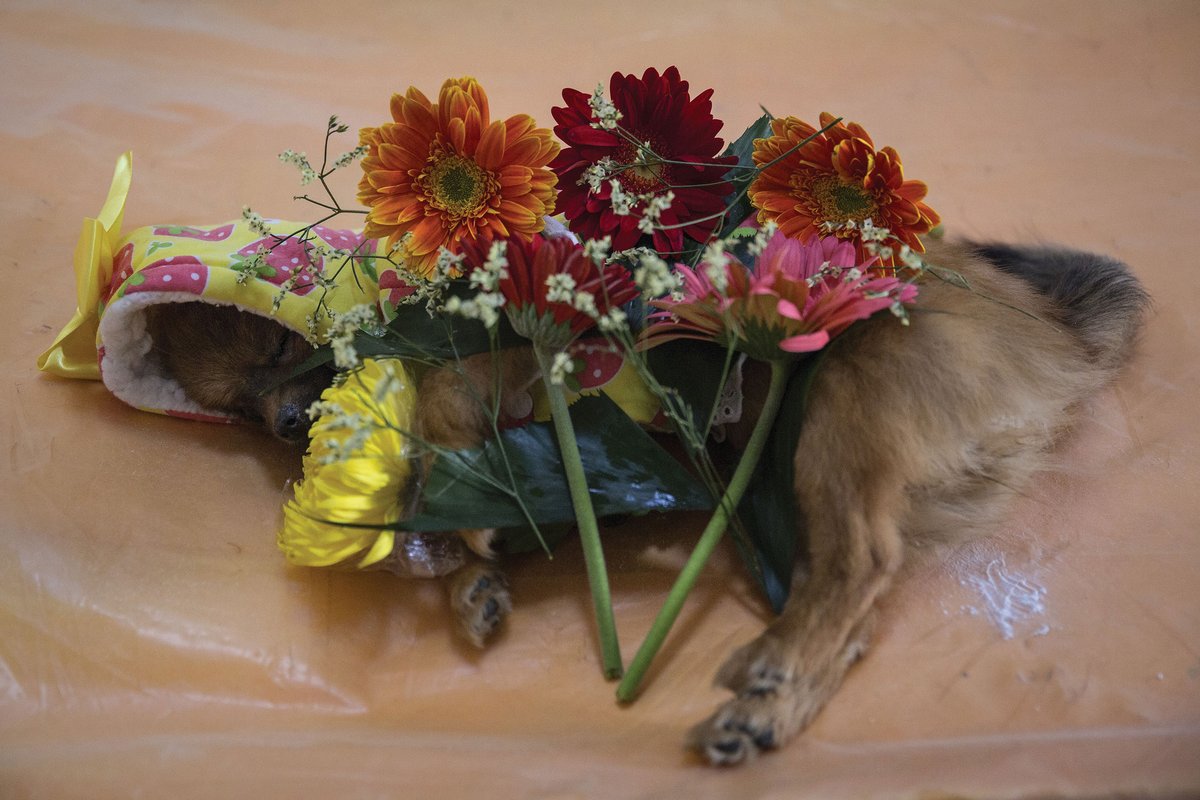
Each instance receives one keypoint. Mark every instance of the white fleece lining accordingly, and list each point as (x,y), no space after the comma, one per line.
(132,370)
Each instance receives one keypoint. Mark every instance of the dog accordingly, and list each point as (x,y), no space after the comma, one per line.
(245,365)
(238,363)
(911,434)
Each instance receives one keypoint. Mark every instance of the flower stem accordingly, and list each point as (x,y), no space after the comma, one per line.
(585,518)
(629,686)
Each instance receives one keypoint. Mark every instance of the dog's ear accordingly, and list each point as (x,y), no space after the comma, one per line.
(182,328)
(193,342)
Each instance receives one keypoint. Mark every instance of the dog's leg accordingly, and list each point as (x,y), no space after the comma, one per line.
(455,402)
(786,676)
(928,429)
(453,414)
(480,600)
(850,489)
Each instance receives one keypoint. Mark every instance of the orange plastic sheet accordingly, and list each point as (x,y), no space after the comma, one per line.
(154,643)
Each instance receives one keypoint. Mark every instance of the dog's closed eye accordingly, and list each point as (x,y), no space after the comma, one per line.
(281,349)
(290,350)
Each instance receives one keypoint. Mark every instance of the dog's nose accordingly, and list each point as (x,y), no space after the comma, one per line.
(291,423)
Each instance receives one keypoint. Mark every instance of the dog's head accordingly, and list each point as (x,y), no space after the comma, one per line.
(239,363)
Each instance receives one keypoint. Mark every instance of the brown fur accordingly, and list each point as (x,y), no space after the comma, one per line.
(239,363)
(911,433)
(451,413)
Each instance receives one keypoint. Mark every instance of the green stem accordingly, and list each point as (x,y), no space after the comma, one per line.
(629,686)
(585,517)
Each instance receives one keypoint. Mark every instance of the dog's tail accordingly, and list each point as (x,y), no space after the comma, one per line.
(1097,297)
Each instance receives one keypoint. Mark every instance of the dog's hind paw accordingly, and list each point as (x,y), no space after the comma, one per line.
(762,716)
(738,731)
(781,686)
(757,669)
(480,600)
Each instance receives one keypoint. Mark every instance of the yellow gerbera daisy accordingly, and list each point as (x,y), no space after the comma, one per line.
(356,472)
(446,171)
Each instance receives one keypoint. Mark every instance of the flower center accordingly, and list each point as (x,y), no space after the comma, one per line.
(840,202)
(457,185)
(644,173)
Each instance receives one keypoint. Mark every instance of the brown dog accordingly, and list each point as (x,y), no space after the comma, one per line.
(238,363)
(244,364)
(916,432)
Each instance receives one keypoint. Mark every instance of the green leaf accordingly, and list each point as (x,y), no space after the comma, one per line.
(627,473)
(744,232)
(526,539)
(415,334)
(694,370)
(367,268)
(769,508)
(743,148)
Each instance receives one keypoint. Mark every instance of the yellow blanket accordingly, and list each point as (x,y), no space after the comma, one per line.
(119,275)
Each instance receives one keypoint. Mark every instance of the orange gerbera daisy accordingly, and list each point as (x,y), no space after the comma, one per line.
(444,172)
(836,178)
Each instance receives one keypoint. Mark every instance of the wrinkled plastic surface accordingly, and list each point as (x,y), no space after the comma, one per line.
(153,642)
(424,555)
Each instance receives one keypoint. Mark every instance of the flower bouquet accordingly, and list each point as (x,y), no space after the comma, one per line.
(644,263)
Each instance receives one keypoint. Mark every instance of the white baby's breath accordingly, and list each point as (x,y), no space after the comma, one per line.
(560,288)
(343,330)
(652,210)
(597,249)
(654,276)
(350,156)
(615,321)
(484,307)
(391,383)
(762,238)
(715,263)
(585,302)
(255,221)
(604,113)
(622,201)
(594,176)
(560,368)
(300,162)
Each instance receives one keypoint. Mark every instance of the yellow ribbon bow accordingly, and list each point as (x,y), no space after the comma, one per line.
(73,354)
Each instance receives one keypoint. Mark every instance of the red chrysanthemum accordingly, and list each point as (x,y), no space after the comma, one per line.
(655,109)
(525,285)
(836,178)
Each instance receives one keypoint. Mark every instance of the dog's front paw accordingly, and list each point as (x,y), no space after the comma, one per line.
(480,600)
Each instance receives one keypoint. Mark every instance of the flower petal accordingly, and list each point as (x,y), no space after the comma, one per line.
(805,342)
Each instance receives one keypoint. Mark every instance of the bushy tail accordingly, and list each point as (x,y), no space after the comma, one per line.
(1097,297)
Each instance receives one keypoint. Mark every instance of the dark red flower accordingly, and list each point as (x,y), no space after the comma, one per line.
(525,285)
(659,110)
